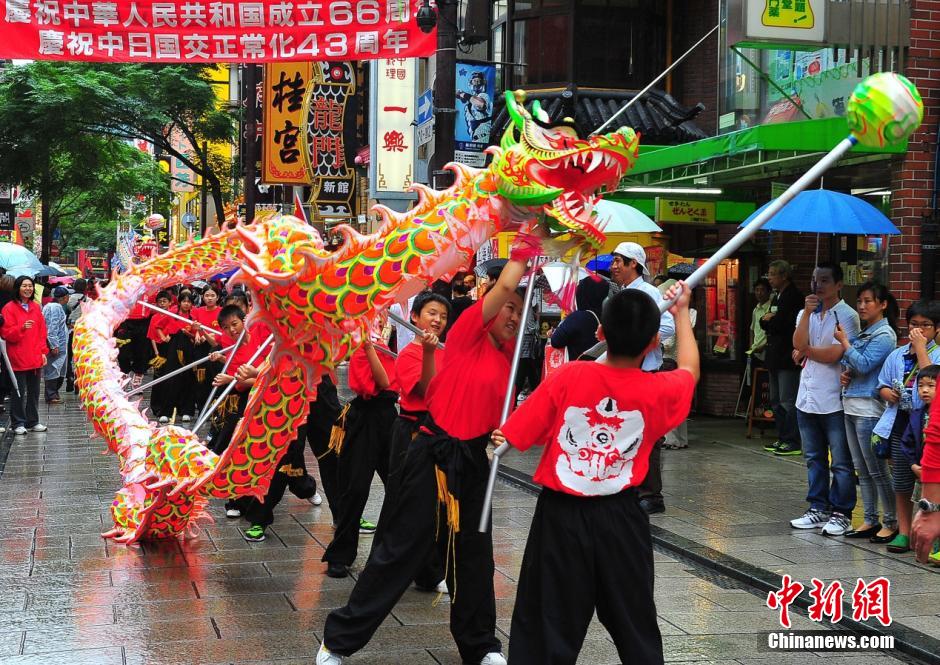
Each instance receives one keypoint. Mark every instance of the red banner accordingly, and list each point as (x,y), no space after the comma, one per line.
(196,31)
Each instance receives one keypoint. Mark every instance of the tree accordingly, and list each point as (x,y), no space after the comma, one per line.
(78,175)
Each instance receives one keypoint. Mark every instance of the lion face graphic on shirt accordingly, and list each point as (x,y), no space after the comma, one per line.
(598,446)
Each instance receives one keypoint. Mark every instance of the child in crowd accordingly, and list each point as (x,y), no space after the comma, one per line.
(912,443)
(897,387)
(446,471)
(589,546)
(361,452)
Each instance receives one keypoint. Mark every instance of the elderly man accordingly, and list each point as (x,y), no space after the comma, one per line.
(57,333)
(628,271)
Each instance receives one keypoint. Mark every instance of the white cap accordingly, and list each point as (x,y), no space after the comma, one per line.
(631,250)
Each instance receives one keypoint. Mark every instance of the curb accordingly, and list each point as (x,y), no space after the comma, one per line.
(911,642)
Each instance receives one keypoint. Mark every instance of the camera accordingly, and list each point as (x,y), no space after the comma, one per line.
(426,18)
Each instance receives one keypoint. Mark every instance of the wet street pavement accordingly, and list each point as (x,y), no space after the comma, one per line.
(71,597)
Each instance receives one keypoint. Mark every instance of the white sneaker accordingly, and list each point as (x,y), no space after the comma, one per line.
(164,419)
(39,427)
(186,419)
(811,519)
(324,657)
(19,430)
(316,499)
(837,525)
(441,587)
(233,513)
(495,658)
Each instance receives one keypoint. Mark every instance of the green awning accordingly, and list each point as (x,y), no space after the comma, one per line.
(740,156)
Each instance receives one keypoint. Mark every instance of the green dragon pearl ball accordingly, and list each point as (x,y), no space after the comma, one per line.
(884,109)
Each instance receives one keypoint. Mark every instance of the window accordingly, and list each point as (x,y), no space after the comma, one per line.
(545,45)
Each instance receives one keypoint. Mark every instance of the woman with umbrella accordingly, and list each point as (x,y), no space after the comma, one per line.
(24,330)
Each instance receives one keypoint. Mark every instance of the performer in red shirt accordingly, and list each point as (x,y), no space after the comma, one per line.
(926,527)
(589,546)
(160,333)
(204,343)
(361,451)
(446,464)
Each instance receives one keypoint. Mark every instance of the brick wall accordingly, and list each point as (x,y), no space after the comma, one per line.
(717,392)
(912,179)
(696,79)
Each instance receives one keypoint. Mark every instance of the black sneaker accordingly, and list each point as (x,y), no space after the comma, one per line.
(788,450)
(652,507)
(336,570)
(772,447)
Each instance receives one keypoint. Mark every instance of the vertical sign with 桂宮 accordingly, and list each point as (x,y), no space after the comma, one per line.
(476,88)
(329,118)
(285,88)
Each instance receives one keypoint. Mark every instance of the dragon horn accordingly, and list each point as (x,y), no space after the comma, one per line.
(515,106)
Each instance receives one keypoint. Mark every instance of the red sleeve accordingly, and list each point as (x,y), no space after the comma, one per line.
(156,323)
(42,341)
(532,423)
(12,329)
(408,368)
(930,460)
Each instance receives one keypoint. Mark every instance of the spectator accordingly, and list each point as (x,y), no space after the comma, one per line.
(761,309)
(74,309)
(528,374)
(58,338)
(896,386)
(6,295)
(578,331)
(878,312)
(460,299)
(24,330)
(926,528)
(819,404)
(678,437)
(779,324)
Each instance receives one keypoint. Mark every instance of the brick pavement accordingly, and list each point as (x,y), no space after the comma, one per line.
(71,597)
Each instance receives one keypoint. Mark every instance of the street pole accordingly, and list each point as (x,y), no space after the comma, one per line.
(445,90)
(251,123)
(204,193)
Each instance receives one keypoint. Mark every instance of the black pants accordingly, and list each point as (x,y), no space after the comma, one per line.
(182,386)
(24,410)
(134,356)
(529,372)
(404,430)
(161,395)
(410,532)
(652,486)
(291,473)
(364,452)
(52,387)
(585,554)
(323,413)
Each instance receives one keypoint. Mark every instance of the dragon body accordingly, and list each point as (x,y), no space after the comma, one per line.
(319,305)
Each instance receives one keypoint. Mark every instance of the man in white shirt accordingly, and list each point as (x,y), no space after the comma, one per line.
(627,271)
(819,404)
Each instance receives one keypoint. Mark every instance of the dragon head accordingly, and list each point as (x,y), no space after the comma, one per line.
(549,165)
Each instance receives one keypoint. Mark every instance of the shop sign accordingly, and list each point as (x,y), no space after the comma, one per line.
(394,137)
(476,87)
(329,126)
(182,178)
(201,32)
(285,88)
(7,217)
(770,23)
(684,211)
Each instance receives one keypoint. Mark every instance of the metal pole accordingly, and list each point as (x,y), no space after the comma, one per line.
(410,326)
(698,276)
(445,86)
(228,361)
(176,316)
(230,387)
(204,193)
(507,402)
(656,80)
(179,370)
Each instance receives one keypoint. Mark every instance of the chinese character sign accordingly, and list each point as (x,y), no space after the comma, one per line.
(394,142)
(870,600)
(680,211)
(183,179)
(212,31)
(285,88)
(476,87)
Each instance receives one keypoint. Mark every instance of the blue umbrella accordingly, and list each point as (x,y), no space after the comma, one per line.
(13,256)
(822,211)
(602,262)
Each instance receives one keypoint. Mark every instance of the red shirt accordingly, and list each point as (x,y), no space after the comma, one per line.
(138,311)
(598,425)
(208,318)
(256,337)
(169,325)
(466,395)
(930,460)
(361,380)
(25,347)
(408,368)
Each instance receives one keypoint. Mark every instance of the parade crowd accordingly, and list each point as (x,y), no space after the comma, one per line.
(844,395)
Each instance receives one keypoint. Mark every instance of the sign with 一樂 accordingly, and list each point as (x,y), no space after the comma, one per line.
(393,140)
(684,211)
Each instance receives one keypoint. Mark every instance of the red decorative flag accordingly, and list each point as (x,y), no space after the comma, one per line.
(299,211)
(201,31)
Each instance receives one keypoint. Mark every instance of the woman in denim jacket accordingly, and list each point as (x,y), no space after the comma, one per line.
(864,356)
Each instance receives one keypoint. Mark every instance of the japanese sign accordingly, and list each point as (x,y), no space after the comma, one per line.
(394,140)
(182,177)
(682,211)
(285,87)
(329,127)
(212,31)
(476,87)
(761,23)
(7,217)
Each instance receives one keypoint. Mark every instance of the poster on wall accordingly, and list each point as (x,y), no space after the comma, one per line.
(476,88)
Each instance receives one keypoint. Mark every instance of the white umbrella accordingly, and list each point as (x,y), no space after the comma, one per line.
(557,275)
(621,218)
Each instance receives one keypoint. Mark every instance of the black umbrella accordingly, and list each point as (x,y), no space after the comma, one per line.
(490,268)
(680,270)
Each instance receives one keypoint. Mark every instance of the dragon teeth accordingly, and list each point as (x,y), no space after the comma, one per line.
(596,160)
